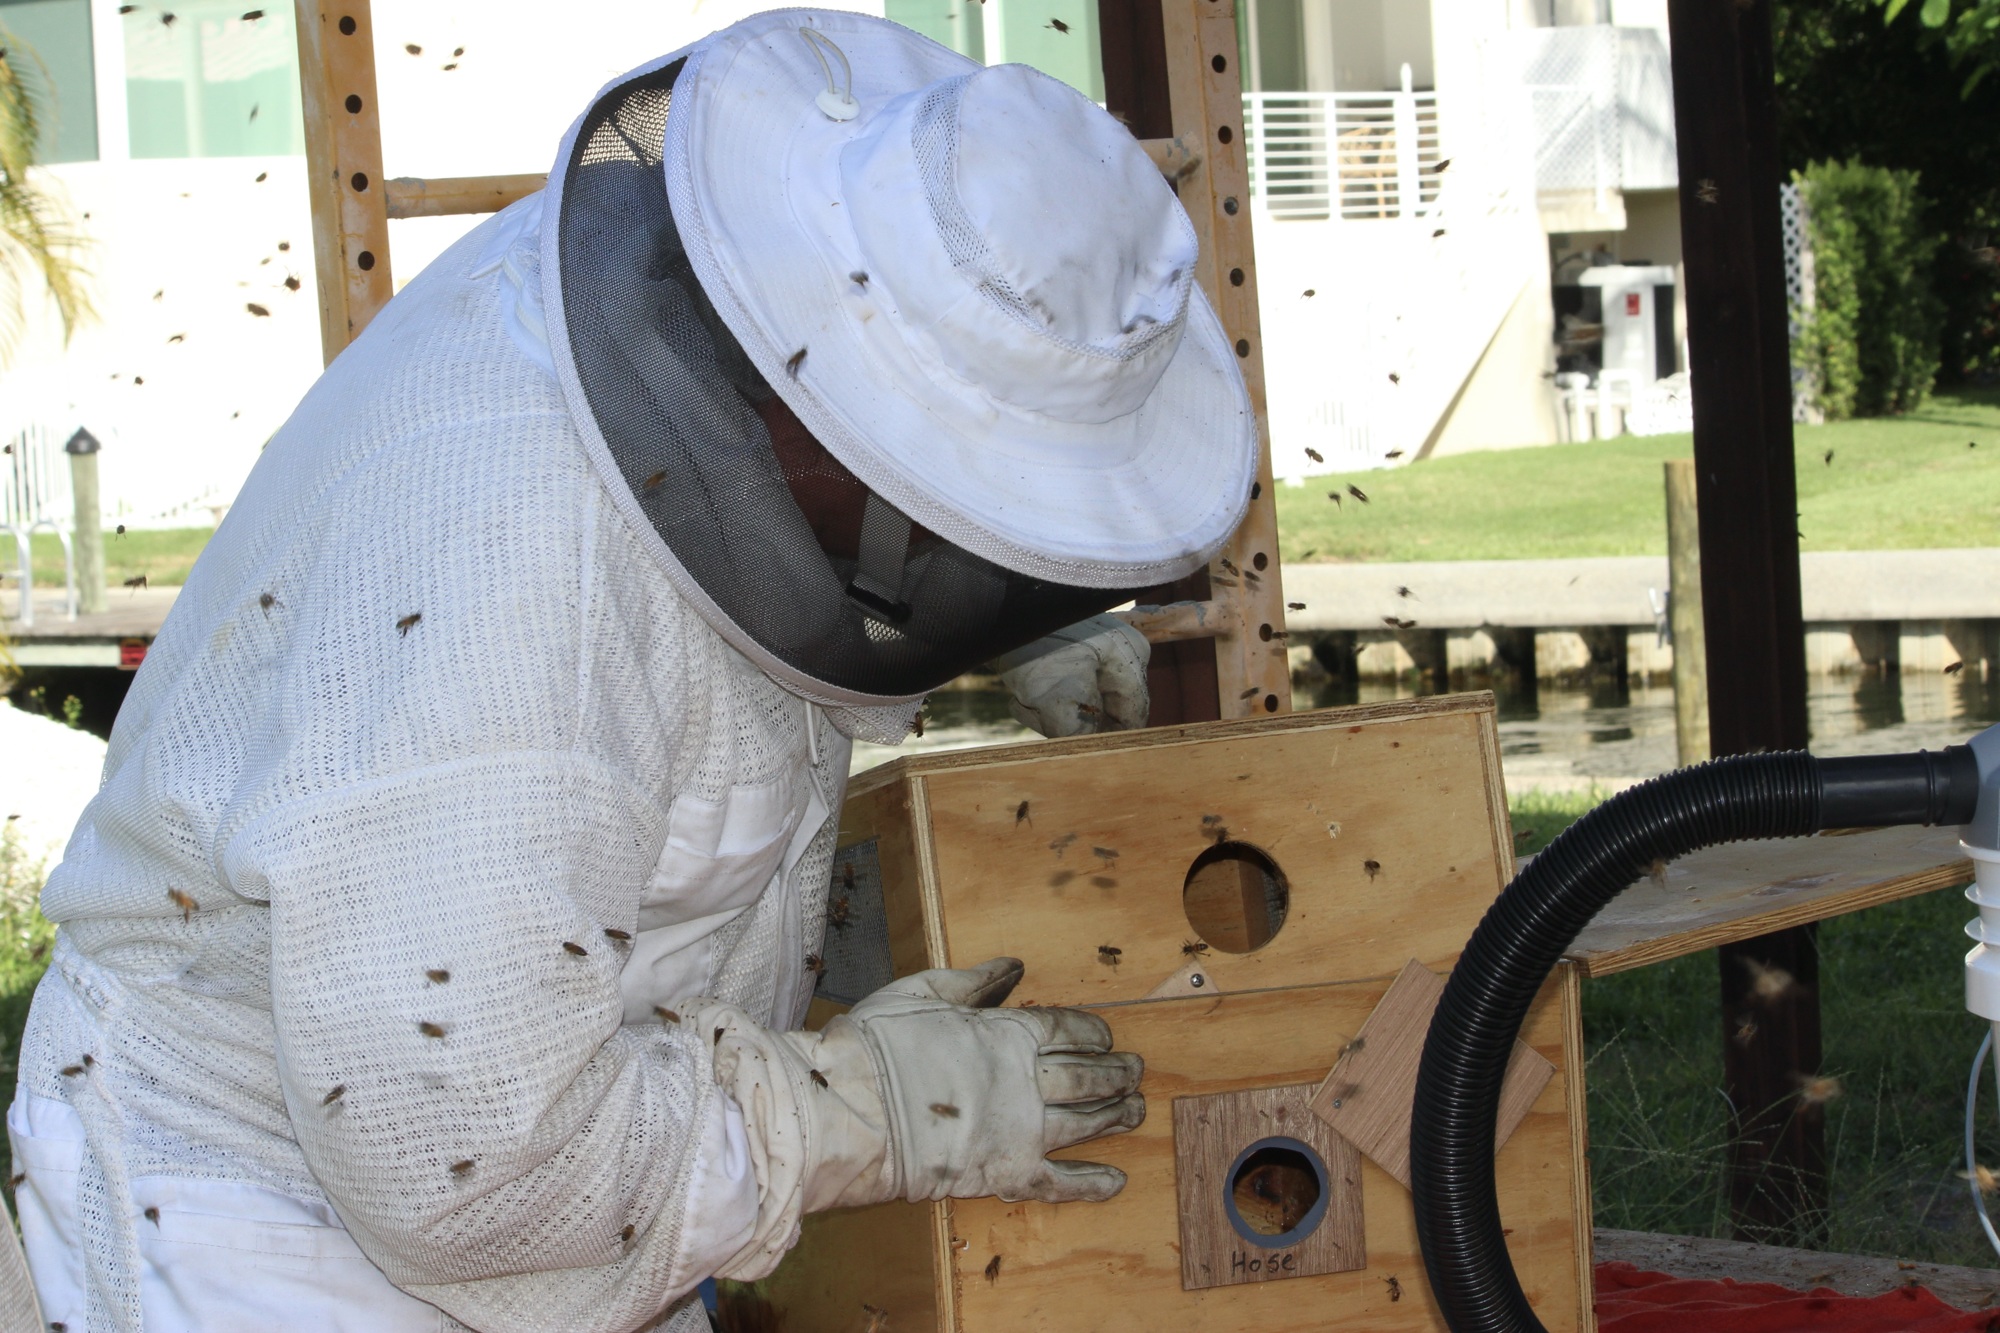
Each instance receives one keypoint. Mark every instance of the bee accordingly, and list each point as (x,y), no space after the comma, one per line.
(1308,294)
(185,901)
(1988,1182)
(462,1169)
(126,9)
(152,1215)
(1438,168)
(917,723)
(408,623)
(1109,954)
(718,1036)
(253,16)
(1706,192)
(259,311)
(438,975)
(621,936)
(1105,854)
(267,600)
(1373,868)
(1061,845)
(1394,378)
(794,361)
(1314,454)
(815,965)
(1356,491)
(431,1030)
(575,950)
(177,338)
(625,1235)
(1295,606)
(665,1015)
(167,20)
(89,1060)
(819,1079)
(945,1109)
(135,583)
(1393,453)
(1250,693)
(847,876)
(338,1091)
(878,1318)
(457,51)
(993,1269)
(451,66)
(1768,982)
(1059,25)
(292,282)
(1439,232)
(1657,871)
(413,48)
(1228,564)
(654,482)
(840,913)
(1335,497)
(1827,458)
(859,279)
(1954,668)
(1818,1091)
(1021,816)
(1395,1288)
(1402,591)
(14,1181)
(1193,948)
(138,380)
(1358,1044)
(70,1071)
(121,530)
(1746,1031)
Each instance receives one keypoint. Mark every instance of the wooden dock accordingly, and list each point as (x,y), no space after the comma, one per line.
(116,637)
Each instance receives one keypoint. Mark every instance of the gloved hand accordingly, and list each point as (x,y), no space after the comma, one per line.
(922,1091)
(1088,677)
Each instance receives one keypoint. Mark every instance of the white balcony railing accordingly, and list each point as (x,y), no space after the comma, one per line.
(1350,155)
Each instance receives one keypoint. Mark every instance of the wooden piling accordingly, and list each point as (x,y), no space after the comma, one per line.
(1684,613)
(88,525)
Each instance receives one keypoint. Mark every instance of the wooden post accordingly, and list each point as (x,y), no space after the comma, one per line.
(87,531)
(343,128)
(1726,125)
(1684,613)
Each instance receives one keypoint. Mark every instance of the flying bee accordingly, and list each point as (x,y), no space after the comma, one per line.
(431,1030)
(462,1169)
(945,1109)
(14,1181)
(1439,232)
(1193,948)
(575,950)
(413,48)
(253,16)
(1059,25)
(1228,564)
(1818,1091)
(1393,453)
(1105,854)
(1827,458)
(1109,954)
(794,361)
(917,723)
(815,965)
(840,913)
(1706,192)
(1768,982)
(152,1215)
(177,338)
(1335,497)
(1402,591)
(1394,378)
(859,279)
(261,312)
(1021,816)
(819,1079)
(71,1071)
(1295,606)
(1983,1174)
(136,582)
(1438,167)
(878,1318)
(292,282)
(339,1090)
(1314,454)
(1373,868)
(993,1269)
(1746,1031)
(1657,871)
(657,480)
(1308,294)
(408,623)
(1356,491)
(438,975)
(1954,668)
(185,901)
(121,530)
(1061,845)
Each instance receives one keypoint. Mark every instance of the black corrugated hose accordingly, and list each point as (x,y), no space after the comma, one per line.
(1536,919)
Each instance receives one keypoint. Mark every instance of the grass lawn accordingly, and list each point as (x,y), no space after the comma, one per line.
(1894,482)
(163,555)
(1896,1034)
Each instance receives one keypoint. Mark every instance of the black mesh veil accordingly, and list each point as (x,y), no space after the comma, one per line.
(691,424)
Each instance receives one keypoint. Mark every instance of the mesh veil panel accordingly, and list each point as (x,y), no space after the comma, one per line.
(678,404)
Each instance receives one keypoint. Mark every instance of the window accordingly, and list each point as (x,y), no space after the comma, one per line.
(57,32)
(204,80)
(1016,32)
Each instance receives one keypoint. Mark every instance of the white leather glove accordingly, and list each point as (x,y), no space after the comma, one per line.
(922,1091)
(1088,677)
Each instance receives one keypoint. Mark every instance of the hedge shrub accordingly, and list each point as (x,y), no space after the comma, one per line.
(1871,343)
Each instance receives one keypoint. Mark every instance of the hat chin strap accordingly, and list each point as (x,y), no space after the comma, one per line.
(877,584)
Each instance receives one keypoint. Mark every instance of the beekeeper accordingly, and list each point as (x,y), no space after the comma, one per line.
(436,946)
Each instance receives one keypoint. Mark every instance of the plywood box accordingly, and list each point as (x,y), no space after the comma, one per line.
(1234,898)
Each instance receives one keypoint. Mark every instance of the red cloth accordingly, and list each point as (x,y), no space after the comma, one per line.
(1630,1300)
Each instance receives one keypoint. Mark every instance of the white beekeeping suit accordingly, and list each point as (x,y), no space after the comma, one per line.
(432,954)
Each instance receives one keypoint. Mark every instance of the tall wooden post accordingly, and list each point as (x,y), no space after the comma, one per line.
(1684,613)
(1726,122)
(343,128)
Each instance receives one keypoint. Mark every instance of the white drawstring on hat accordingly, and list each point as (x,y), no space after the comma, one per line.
(837,103)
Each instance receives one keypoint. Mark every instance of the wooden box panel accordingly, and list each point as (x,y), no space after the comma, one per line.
(1389,823)
(1115,1267)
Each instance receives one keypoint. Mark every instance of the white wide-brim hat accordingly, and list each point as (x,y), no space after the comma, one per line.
(972,286)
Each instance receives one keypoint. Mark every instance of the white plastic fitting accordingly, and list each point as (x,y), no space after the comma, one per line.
(1981,842)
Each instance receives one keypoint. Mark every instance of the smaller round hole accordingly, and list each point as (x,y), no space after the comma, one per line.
(1230,206)
(1264,633)
(1225,134)
(1277,1192)
(1242,347)
(1256,489)
(1218,64)
(365,260)
(1270,703)
(1235,896)
(346,26)
(359,180)
(354,104)
(1235,277)
(1261,560)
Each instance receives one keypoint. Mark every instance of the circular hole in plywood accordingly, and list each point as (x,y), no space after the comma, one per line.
(1277,1192)
(1235,897)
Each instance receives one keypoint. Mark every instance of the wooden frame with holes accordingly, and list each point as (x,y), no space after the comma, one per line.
(1236,609)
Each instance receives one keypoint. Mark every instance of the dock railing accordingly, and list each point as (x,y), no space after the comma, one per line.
(34,495)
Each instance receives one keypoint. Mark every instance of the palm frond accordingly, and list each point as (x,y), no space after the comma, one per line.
(40,245)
